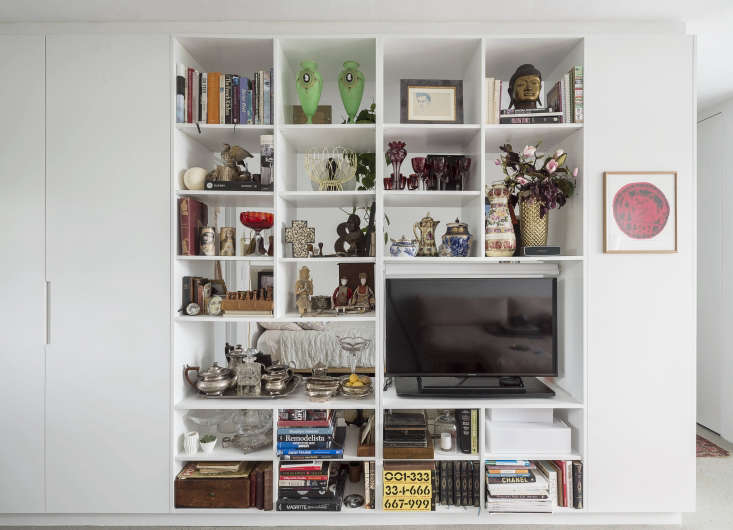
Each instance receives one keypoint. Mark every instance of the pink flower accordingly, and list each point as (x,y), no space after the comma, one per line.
(522,181)
(559,153)
(551,165)
(497,162)
(575,172)
(529,150)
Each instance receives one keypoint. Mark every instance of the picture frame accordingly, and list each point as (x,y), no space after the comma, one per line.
(431,101)
(639,212)
(265,279)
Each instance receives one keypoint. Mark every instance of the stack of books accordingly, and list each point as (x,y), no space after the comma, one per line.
(214,97)
(405,429)
(457,483)
(516,486)
(310,486)
(467,430)
(562,104)
(308,434)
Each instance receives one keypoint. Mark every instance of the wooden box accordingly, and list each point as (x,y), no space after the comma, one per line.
(410,453)
(212,493)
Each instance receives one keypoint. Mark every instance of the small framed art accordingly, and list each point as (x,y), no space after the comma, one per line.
(264,279)
(431,101)
(639,212)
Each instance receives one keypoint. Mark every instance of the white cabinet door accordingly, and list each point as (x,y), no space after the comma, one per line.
(22,269)
(640,116)
(712,270)
(108,244)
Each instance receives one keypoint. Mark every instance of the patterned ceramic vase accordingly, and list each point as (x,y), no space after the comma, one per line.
(533,228)
(500,238)
(309,85)
(351,88)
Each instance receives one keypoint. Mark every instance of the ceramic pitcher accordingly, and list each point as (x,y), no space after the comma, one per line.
(426,237)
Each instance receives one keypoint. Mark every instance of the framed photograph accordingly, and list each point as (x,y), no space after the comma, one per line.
(431,101)
(639,212)
(264,279)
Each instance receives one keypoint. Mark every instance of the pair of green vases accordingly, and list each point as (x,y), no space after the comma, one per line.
(309,84)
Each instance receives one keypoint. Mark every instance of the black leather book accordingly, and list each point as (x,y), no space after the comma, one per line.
(450,483)
(577,484)
(476,483)
(457,483)
(434,480)
(468,501)
(444,482)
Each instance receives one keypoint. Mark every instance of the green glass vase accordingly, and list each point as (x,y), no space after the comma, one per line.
(309,85)
(351,87)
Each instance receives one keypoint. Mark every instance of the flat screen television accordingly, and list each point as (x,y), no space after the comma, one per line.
(458,327)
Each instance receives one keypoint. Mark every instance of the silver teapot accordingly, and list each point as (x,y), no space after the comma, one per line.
(212,382)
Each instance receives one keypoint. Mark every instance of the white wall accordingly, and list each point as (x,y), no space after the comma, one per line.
(640,115)
(715,266)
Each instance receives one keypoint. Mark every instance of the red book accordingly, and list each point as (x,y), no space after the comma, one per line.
(260,488)
(268,487)
(304,423)
(193,215)
(305,466)
(560,464)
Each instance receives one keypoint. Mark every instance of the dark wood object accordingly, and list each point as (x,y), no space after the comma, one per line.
(212,493)
(410,453)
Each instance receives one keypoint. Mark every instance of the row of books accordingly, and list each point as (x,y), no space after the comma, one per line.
(533,485)
(467,430)
(199,290)
(562,104)
(457,483)
(252,480)
(309,434)
(215,97)
(310,486)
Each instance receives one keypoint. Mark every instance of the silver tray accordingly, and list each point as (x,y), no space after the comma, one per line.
(264,394)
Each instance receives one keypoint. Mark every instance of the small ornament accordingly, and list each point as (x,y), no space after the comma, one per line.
(351,88)
(226,241)
(300,235)
(214,306)
(525,88)
(193,309)
(208,241)
(303,291)
(349,233)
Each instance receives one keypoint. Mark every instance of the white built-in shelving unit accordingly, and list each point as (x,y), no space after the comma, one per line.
(384,61)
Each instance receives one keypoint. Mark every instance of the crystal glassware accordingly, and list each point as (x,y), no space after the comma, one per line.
(396,154)
(418,166)
(413,182)
(353,345)
(445,431)
(402,181)
(257,221)
(388,183)
(437,167)
(249,373)
(464,166)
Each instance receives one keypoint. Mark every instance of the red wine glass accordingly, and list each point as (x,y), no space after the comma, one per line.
(257,221)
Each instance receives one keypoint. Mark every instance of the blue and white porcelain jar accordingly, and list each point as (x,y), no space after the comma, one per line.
(457,240)
(403,247)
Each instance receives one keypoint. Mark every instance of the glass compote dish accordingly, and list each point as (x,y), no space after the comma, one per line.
(257,221)
(354,385)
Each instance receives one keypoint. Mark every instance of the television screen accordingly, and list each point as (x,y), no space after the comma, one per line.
(471,326)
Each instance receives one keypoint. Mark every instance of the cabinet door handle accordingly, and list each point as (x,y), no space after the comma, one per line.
(48,312)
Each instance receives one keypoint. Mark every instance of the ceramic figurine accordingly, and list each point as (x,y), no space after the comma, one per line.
(457,239)
(403,247)
(309,85)
(341,295)
(363,297)
(207,237)
(226,241)
(500,238)
(303,291)
(426,237)
(351,88)
(525,88)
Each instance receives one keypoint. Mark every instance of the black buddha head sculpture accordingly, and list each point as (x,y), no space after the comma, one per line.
(525,88)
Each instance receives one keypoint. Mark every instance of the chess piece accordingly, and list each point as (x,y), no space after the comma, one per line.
(303,291)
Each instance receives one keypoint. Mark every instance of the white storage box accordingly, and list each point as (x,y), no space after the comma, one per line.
(531,438)
(521,415)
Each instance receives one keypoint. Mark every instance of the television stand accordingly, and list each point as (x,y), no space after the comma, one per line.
(472,386)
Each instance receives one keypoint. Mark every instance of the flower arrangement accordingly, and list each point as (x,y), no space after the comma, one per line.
(532,174)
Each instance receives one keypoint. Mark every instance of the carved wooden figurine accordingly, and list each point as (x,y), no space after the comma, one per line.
(303,291)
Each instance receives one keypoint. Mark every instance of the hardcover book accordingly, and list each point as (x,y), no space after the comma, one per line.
(212,103)
(193,215)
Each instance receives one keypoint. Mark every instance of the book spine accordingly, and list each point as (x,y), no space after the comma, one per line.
(260,94)
(522,463)
(434,486)
(467,484)
(538,110)
(185,292)
(242,104)
(449,484)
(497,102)
(367,498)
(271,119)
(260,493)
(567,118)
(228,98)
(235,99)
(476,483)
(303,476)
(533,119)
(310,451)
(372,483)
(266,97)
(474,431)
(303,414)
(517,496)
(302,431)
(299,505)
(302,424)
(213,97)
(309,457)
(204,97)
(180,93)
(268,495)
(456,483)
(304,445)
(196,95)
(189,95)
(578,90)
(303,438)
(285,483)
(250,109)
(465,426)
(184,227)
(222,103)
(252,490)
(578,484)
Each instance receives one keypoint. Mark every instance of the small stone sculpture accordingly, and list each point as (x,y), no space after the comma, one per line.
(233,156)
(349,233)
(525,88)
(303,291)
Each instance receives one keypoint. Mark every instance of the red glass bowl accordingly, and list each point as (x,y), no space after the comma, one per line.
(257,220)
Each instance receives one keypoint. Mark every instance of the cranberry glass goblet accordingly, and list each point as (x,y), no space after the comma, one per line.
(257,221)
